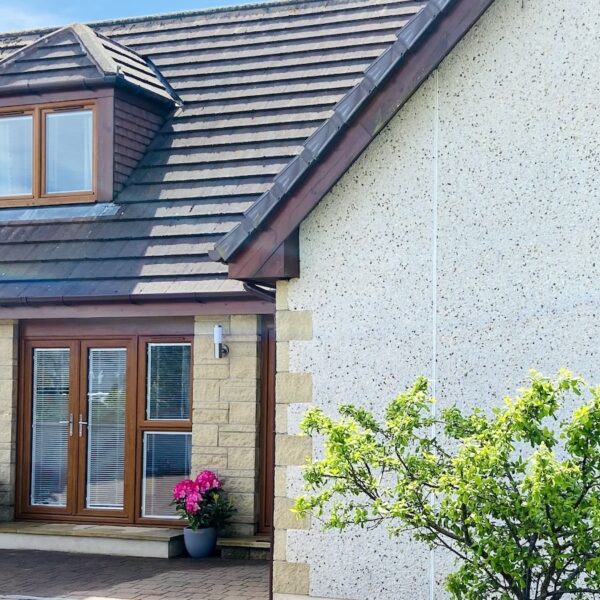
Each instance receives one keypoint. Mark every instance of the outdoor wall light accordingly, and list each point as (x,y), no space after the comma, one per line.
(221,350)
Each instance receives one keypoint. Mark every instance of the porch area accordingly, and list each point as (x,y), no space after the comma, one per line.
(60,576)
(141,542)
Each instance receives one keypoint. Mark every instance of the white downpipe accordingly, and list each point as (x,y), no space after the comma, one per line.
(434,257)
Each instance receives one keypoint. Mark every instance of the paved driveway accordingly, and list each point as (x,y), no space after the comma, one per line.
(56,575)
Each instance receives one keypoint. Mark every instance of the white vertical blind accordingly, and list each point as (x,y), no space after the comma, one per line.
(167,460)
(168,381)
(107,369)
(50,427)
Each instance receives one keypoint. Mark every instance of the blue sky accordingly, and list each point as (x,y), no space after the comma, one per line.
(30,14)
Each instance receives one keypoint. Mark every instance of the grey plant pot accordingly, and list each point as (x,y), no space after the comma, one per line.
(200,543)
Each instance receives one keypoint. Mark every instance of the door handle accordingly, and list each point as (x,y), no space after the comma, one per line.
(81,424)
(70,422)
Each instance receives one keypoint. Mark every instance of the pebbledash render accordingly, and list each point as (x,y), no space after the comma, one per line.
(461,244)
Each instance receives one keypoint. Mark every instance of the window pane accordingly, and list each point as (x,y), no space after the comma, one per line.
(167,460)
(168,382)
(50,427)
(69,151)
(16,155)
(106,427)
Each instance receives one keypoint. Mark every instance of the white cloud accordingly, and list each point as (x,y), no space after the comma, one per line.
(15,18)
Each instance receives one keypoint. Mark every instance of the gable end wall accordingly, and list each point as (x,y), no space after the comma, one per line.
(463,246)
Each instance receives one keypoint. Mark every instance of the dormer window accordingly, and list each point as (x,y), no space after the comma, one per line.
(68,151)
(47,154)
(76,133)
(16,155)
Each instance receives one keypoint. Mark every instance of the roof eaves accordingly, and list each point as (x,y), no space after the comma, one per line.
(31,301)
(322,139)
(139,90)
(86,84)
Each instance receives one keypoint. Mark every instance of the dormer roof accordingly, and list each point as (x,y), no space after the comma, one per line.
(77,56)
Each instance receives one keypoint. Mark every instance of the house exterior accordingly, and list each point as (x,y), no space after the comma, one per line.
(415,180)
(449,231)
(127,150)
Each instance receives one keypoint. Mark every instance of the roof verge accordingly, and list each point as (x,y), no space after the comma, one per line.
(412,40)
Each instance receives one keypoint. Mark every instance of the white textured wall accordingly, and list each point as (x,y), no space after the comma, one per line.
(466,232)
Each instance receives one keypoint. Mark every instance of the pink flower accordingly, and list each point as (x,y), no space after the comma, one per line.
(192,502)
(207,480)
(184,488)
(188,494)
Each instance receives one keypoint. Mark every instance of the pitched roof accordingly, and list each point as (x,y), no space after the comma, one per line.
(256,82)
(78,54)
(387,83)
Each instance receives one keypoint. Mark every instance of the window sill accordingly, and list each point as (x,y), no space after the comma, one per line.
(47,201)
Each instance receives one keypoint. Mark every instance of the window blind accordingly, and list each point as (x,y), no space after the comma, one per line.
(168,381)
(167,460)
(50,427)
(106,427)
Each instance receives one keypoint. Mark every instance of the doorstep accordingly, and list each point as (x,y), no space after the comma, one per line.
(117,540)
(147,542)
(246,548)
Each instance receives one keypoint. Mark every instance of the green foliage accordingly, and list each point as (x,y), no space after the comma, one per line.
(515,496)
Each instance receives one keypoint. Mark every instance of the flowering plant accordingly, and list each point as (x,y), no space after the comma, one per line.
(201,501)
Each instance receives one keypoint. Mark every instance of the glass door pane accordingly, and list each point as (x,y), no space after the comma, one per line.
(167,460)
(50,427)
(106,428)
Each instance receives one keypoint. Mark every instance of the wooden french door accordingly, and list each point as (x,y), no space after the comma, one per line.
(78,429)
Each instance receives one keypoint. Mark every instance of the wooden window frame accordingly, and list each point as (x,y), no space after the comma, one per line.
(39,197)
(24,506)
(78,338)
(145,425)
(24,112)
(140,519)
(160,424)
(127,513)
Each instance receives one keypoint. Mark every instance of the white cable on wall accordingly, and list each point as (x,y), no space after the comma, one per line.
(434,249)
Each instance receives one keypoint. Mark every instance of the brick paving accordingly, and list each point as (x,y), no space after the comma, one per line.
(55,575)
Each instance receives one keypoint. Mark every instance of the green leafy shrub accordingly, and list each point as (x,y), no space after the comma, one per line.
(515,496)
